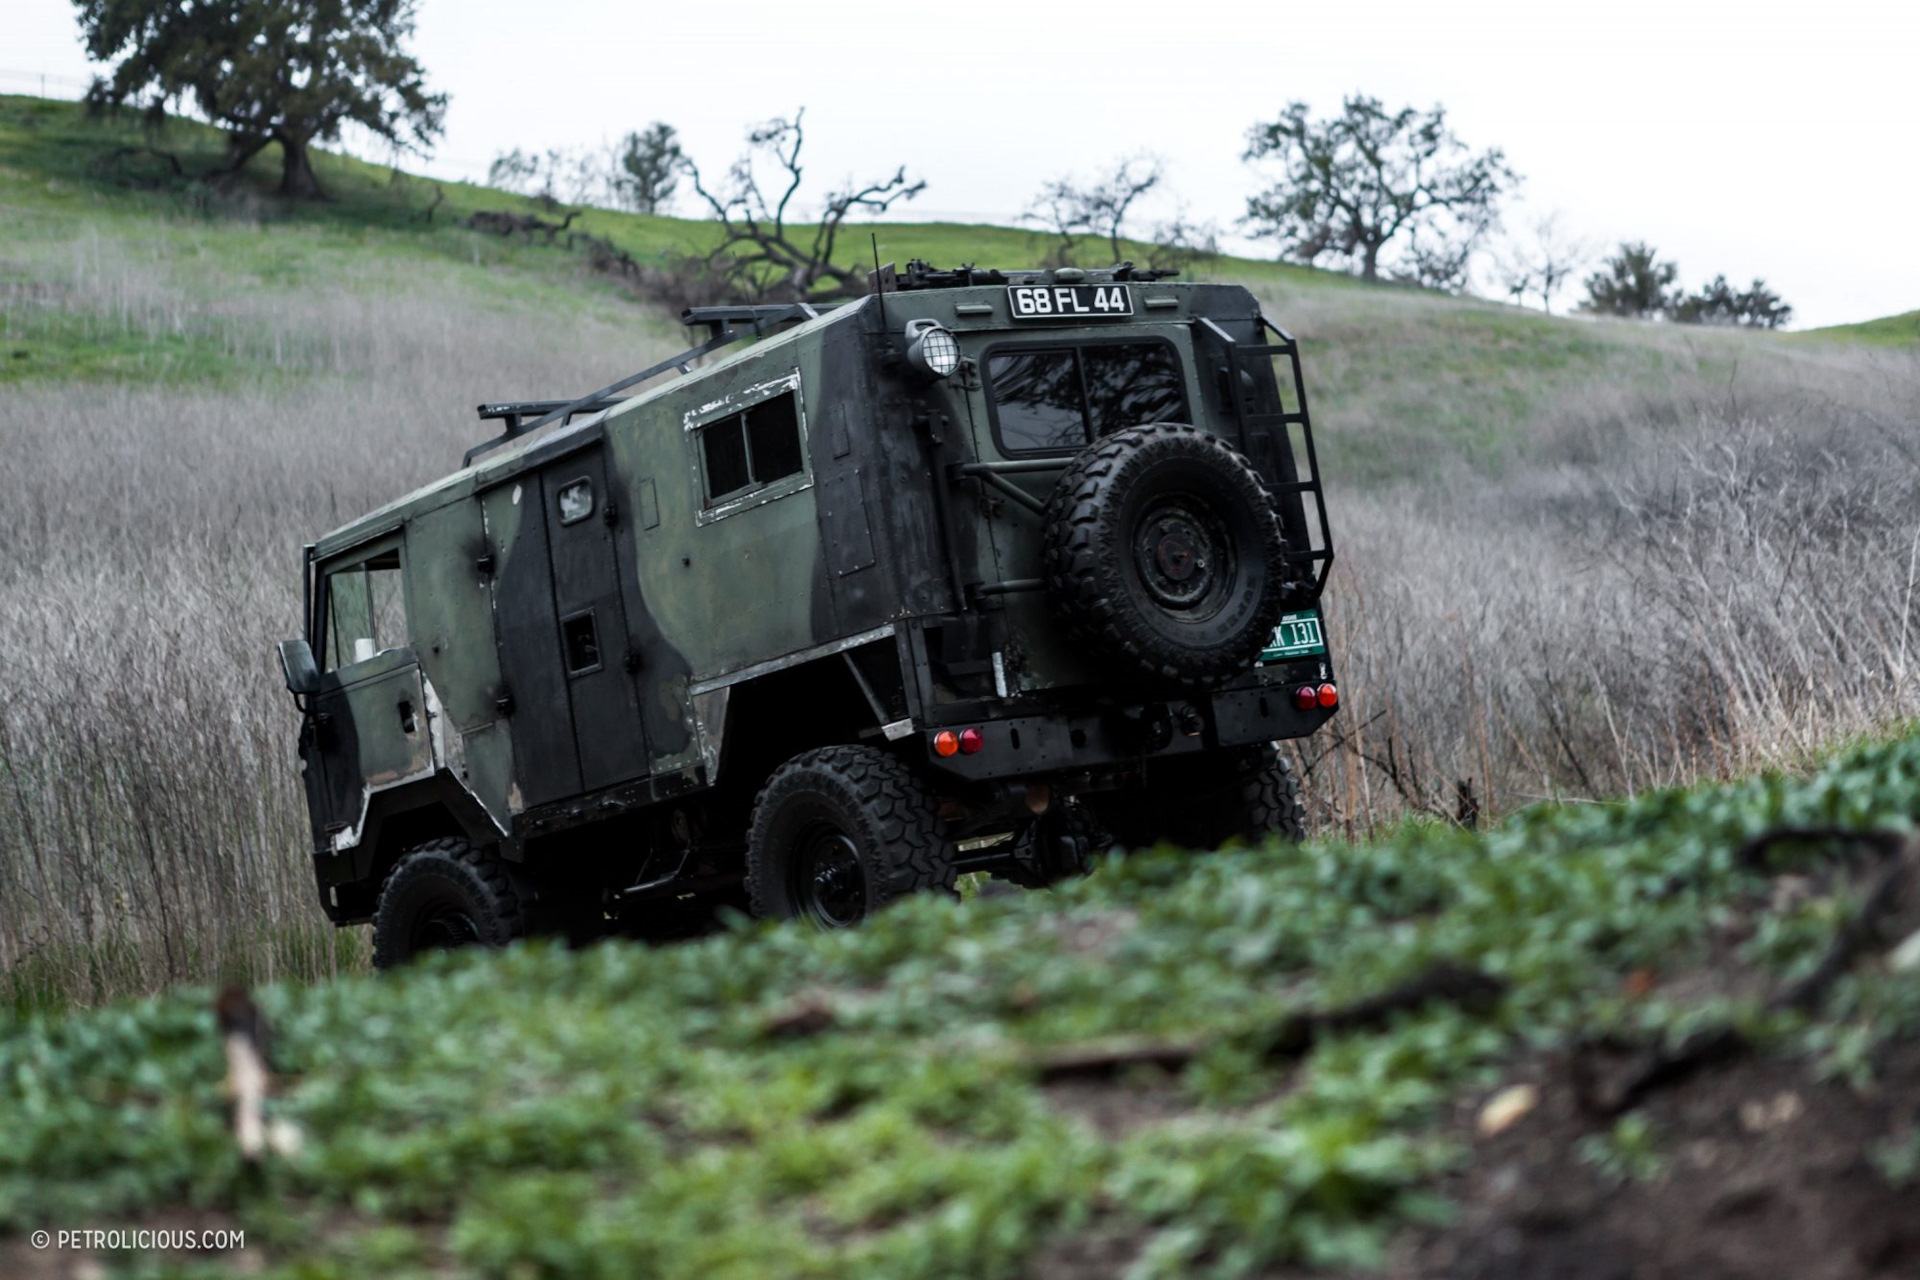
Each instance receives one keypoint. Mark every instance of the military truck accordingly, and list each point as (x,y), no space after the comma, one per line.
(983,571)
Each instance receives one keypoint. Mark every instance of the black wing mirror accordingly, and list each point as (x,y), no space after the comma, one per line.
(296,660)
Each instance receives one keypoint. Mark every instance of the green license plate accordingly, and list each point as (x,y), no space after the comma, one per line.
(1297,636)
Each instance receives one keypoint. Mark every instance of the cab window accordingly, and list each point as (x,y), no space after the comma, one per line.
(366,610)
(1058,399)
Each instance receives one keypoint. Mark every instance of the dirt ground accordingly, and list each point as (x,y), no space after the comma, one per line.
(1766,1172)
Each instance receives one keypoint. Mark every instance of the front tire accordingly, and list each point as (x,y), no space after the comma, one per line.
(442,895)
(840,832)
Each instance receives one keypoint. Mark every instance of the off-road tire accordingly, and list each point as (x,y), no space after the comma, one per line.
(444,893)
(1272,803)
(1129,532)
(885,815)
(1202,803)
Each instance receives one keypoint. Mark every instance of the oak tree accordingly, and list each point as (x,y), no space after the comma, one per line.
(1357,182)
(291,72)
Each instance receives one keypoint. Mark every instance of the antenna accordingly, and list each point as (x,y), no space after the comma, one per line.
(879,284)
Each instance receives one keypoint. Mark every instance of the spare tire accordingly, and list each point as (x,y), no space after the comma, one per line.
(1163,554)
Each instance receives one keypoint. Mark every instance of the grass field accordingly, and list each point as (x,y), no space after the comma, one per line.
(947,1090)
(1576,558)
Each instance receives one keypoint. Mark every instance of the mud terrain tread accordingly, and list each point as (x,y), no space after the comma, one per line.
(1273,804)
(1079,565)
(452,857)
(901,818)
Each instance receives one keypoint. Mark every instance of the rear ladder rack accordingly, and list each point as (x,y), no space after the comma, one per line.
(1278,426)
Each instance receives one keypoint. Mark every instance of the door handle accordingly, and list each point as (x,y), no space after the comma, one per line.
(406,716)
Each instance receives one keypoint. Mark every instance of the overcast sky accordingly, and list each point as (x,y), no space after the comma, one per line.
(1752,138)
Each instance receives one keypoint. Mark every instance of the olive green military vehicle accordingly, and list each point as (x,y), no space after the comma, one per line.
(982,571)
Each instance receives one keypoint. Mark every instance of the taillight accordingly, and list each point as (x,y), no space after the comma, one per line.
(964,743)
(1306,697)
(1328,696)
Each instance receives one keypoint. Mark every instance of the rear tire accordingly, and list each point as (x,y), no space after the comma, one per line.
(1203,803)
(840,832)
(442,895)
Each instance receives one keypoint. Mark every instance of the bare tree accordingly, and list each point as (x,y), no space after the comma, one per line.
(552,177)
(1066,206)
(759,249)
(1179,243)
(1541,266)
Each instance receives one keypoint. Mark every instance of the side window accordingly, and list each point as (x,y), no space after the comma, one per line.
(366,610)
(751,451)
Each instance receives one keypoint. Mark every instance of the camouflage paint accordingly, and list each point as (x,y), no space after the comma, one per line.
(713,595)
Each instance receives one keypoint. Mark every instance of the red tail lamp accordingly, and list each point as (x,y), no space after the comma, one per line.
(1306,697)
(1328,696)
(965,743)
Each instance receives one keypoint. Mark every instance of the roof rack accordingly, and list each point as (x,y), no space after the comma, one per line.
(924,275)
(722,326)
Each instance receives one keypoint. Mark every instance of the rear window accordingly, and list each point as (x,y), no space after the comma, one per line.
(1057,399)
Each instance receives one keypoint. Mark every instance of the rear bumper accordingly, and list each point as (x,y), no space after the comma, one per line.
(1050,742)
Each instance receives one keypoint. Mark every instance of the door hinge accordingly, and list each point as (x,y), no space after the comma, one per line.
(631,662)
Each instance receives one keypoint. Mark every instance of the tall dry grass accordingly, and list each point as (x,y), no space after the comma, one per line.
(151,820)
(1657,590)
(1671,577)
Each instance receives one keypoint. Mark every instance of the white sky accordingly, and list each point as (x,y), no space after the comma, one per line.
(1750,137)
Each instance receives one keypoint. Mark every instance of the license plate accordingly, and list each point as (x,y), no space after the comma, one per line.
(1069,301)
(1297,636)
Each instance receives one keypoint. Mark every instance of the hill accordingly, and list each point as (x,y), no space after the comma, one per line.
(1576,559)
(1609,1040)
(1405,379)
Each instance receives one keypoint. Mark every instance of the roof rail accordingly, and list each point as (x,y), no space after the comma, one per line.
(924,275)
(720,324)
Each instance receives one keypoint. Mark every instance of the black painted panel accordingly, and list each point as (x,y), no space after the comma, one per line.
(586,583)
(545,764)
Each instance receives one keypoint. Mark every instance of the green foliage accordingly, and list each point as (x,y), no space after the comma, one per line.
(1897,1157)
(1628,1152)
(650,163)
(1633,282)
(291,72)
(1758,307)
(1353,184)
(623,1110)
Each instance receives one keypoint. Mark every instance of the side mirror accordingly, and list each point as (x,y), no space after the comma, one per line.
(296,661)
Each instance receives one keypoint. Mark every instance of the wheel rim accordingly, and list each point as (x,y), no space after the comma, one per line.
(444,927)
(829,883)
(1183,554)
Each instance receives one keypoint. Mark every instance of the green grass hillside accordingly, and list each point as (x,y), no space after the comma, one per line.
(1577,559)
(1404,380)
(947,1091)
(1888,331)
